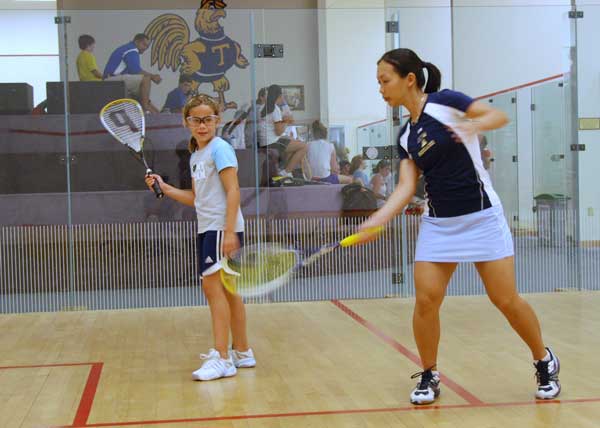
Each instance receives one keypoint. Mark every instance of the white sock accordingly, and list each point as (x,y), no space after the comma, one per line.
(547,357)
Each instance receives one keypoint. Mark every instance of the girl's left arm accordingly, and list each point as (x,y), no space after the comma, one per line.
(231,185)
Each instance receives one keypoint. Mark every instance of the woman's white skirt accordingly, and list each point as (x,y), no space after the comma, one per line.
(476,237)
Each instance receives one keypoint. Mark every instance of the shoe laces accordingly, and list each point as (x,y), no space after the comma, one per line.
(426,378)
(542,373)
(212,359)
(212,354)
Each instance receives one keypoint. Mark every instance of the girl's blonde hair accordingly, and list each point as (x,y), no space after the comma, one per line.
(199,100)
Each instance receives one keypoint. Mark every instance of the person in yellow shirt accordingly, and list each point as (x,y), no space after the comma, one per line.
(86,61)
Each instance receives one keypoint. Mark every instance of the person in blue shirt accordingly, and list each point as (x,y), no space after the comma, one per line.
(357,170)
(177,98)
(463,219)
(124,65)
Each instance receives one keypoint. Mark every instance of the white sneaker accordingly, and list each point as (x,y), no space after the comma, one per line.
(547,377)
(428,388)
(285,173)
(242,359)
(214,367)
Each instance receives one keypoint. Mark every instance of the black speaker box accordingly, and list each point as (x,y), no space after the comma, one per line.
(85,97)
(16,98)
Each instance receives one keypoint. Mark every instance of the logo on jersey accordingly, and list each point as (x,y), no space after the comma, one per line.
(209,260)
(424,144)
(199,171)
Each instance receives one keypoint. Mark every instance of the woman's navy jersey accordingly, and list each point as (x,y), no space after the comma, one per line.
(456,182)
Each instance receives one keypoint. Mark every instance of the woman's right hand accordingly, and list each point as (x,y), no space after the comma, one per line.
(371,229)
(151,178)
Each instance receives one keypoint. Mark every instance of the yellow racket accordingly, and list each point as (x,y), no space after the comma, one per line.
(262,268)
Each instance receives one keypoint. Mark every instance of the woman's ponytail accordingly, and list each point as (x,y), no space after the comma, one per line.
(406,61)
(434,78)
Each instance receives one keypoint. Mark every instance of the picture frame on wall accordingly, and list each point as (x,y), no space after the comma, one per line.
(294,95)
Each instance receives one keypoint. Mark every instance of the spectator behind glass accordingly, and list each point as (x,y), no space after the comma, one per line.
(233,131)
(249,127)
(322,158)
(486,154)
(179,96)
(286,112)
(124,65)
(345,167)
(357,170)
(87,68)
(271,128)
(380,181)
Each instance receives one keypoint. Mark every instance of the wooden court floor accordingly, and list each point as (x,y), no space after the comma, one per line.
(322,364)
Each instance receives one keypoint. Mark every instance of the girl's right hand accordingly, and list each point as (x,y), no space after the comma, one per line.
(151,178)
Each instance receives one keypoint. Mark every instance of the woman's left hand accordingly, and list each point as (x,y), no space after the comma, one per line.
(231,243)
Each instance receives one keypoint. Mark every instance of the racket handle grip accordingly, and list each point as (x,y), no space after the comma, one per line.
(155,186)
(157,190)
(353,239)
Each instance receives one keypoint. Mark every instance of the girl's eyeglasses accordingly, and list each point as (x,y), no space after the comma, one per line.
(197,121)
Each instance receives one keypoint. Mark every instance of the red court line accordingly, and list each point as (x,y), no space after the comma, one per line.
(524,85)
(89,392)
(336,412)
(466,395)
(492,94)
(371,123)
(54,133)
(96,132)
(79,133)
(24,55)
(87,398)
(37,366)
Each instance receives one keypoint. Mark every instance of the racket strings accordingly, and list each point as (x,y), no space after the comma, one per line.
(269,264)
(262,268)
(125,121)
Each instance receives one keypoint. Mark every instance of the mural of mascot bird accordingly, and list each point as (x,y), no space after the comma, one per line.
(205,59)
